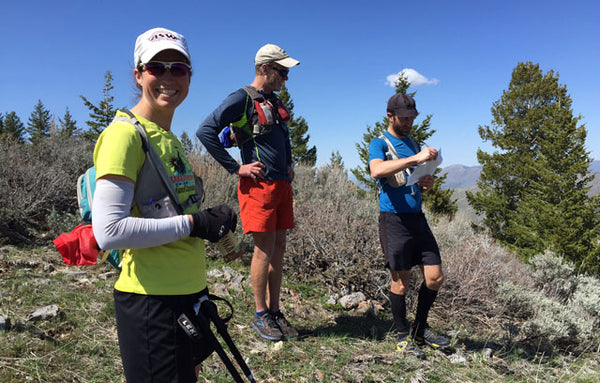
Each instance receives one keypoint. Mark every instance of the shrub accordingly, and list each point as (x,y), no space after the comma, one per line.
(564,317)
(587,296)
(219,186)
(336,240)
(473,264)
(554,276)
(59,223)
(36,180)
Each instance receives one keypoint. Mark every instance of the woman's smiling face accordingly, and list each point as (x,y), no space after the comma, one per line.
(166,90)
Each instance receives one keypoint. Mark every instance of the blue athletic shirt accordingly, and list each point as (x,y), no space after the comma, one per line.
(405,199)
(273,149)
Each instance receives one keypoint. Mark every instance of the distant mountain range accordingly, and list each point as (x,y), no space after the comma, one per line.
(460,176)
(465,177)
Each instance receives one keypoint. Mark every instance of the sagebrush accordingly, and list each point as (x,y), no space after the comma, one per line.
(335,245)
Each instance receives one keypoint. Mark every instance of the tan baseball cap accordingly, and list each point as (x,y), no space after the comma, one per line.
(156,40)
(272,53)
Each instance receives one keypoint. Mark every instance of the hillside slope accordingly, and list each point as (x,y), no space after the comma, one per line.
(75,339)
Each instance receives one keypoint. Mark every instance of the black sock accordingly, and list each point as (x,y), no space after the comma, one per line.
(398,303)
(426,299)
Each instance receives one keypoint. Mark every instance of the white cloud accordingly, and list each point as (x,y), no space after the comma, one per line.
(415,78)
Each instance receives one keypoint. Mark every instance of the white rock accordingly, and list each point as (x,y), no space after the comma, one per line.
(43,313)
(352,300)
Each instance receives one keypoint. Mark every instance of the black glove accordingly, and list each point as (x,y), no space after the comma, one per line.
(214,223)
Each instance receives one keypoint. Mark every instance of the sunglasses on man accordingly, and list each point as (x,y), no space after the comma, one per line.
(283,72)
(159,68)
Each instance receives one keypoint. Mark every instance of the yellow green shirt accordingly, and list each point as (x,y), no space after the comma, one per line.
(175,268)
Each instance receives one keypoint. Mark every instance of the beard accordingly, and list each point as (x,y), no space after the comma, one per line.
(401,130)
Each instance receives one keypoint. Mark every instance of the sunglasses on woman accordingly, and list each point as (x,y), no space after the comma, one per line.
(158,68)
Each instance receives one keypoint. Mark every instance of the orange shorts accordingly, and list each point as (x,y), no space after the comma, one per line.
(265,206)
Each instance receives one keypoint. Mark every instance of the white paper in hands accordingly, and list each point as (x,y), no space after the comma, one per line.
(425,169)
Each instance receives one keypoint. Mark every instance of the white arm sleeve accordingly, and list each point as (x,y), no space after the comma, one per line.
(115,229)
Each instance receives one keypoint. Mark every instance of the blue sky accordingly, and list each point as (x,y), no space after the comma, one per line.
(464,51)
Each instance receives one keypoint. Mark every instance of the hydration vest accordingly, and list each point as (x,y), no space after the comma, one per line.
(264,114)
(154,195)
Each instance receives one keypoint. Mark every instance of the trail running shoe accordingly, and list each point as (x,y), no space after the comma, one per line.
(406,345)
(432,339)
(266,327)
(286,328)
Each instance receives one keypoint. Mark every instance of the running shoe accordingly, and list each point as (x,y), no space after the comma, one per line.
(406,345)
(286,328)
(432,339)
(266,327)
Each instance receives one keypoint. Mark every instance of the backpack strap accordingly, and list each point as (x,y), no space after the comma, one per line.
(254,93)
(240,131)
(256,128)
(242,123)
(394,156)
(86,185)
(392,150)
(390,147)
(259,116)
(154,159)
(245,128)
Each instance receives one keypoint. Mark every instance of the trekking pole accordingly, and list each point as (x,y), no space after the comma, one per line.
(209,309)
(204,324)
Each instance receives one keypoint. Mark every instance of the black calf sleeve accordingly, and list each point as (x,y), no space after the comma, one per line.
(426,299)
(398,303)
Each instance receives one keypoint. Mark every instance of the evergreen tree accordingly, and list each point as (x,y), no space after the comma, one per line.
(362,173)
(13,127)
(335,161)
(68,126)
(103,114)
(1,123)
(186,143)
(299,136)
(38,125)
(336,168)
(533,191)
(436,200)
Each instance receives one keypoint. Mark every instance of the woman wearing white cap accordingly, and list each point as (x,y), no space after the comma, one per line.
(163,269)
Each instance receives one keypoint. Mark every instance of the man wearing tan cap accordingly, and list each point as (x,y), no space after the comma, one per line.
(254,119)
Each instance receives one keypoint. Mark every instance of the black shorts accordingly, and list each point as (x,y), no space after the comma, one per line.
(153,346)
(407,240)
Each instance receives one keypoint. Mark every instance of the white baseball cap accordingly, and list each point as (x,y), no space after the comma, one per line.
(272,53)
(156,40)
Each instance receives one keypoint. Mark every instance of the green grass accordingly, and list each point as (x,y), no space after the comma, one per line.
(80,344)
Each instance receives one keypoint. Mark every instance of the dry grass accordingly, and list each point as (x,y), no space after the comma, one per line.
(80,345)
